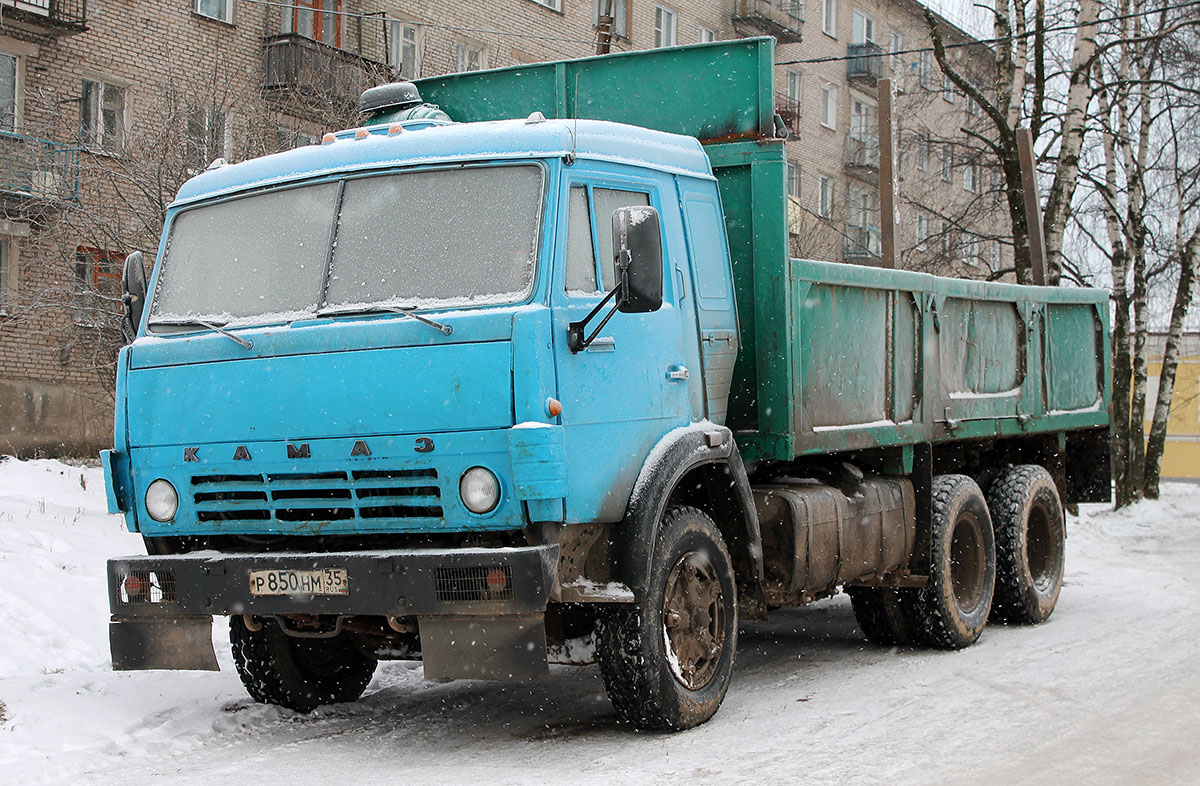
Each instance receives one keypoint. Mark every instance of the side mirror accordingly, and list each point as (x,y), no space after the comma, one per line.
(637,245)
(133,291)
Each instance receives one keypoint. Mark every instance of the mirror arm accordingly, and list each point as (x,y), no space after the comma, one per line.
(575,331)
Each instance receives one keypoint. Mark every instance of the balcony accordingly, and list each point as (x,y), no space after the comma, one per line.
(782,19)
(788,109)
(862,158)
(862,245)
(318,74)
(45,17)
(864,65)
(37,170)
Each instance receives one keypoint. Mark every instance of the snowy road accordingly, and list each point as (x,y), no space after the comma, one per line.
(1108,691)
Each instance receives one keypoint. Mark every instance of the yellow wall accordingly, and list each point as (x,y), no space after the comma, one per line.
(1182,456)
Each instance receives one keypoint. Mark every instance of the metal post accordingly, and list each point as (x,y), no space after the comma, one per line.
(1033,206)
(888,193)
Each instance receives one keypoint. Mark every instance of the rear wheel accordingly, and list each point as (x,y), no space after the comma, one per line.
(952,610)
(297,673)
(667,661)
(1030,544)
(882,616)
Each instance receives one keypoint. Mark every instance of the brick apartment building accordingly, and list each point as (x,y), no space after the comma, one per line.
(106,108)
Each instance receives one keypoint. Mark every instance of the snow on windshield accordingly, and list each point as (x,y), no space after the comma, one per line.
(446,237)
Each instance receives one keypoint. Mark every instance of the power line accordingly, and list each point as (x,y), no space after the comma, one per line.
(1000,40)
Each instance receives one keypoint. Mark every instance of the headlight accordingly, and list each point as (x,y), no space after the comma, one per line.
(479,489)
(161,500)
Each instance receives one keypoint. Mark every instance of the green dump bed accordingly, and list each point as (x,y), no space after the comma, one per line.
(835,356)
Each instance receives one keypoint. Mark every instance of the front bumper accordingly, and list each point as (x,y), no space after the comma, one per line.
(166,622)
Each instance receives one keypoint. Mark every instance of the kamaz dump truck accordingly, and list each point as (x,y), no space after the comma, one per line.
(475,391)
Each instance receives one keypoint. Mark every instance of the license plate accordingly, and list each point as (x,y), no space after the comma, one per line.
(328,581)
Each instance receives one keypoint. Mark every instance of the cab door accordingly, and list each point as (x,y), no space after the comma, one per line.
(629,387)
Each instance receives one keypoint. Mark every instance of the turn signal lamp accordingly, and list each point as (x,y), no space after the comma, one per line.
(553,407)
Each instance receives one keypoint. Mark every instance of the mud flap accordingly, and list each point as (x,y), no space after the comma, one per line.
(139,643)
(512,647)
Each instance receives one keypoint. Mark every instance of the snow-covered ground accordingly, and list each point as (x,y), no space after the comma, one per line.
(1108,691)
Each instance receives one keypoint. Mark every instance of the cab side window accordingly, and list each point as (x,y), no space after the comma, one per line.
(589,251)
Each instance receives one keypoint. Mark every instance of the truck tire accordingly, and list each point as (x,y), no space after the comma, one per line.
(952,609)
(882,614)
(667,660)
(1031,533)
(300,674)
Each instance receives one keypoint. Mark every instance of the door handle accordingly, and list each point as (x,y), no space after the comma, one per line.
(677,373)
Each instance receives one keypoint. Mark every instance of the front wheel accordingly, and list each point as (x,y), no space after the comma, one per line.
(667,660)
(297,673)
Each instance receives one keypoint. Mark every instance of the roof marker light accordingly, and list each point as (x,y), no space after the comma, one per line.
(395,128)
(361,133)
(535,117)
(329,138)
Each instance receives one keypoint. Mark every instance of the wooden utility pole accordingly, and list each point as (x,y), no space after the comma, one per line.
(888,192)
(606,20)
(1033,208)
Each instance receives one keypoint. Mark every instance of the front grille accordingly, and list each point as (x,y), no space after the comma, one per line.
(146,586)
(474,583)
(408,494)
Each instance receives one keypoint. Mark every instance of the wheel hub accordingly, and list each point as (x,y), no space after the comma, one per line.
(693,620)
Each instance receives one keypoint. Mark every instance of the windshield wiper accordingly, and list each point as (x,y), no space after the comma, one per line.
(408,311)
(192,322)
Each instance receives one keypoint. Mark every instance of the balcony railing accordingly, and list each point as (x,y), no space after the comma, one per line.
(862,158)
(38,169)
(783,19)
(788,109)
(865,62)
(294,63)
(862,244)
(52,17)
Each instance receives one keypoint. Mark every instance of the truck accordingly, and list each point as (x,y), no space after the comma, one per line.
(533,379)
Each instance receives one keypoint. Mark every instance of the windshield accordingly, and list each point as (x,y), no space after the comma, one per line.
(425,239)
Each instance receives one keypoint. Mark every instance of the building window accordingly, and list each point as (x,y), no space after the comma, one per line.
(825,196)
(969,245)
(705,36)
(829,18)
(948,89)
(469,57)
(4,296)
(947,160)
(553,5)
(613,10)
(945,233)
(971,176)
(97,284)
(864,29)
(664,26)
(925,69)
(973,107)
(922,231)
(404,49)
(994,264)
(319,20)
(862,120)
(793,180)
(102,115)
(221,10)
(795,85)
(923,152)
(8,93)
(829,106)
(895,47)
(290,137)
(208,137)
